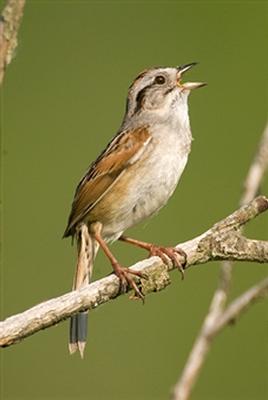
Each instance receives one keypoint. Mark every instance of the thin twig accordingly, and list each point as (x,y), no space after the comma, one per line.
(257,170)
(222,241)
(214,320)
(240,304)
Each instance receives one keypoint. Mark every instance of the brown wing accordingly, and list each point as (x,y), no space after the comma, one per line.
(125,149)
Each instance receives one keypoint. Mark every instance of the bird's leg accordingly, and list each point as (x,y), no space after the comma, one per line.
(124,274)
(177,256)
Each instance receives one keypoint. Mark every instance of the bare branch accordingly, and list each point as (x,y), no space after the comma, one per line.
(222,241)
(240,305)
(212,324)
(257,170)
(10,20)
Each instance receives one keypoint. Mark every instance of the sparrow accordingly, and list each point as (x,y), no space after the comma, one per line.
(132,179)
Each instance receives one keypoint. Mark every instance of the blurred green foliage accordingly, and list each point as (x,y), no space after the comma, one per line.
(63,99)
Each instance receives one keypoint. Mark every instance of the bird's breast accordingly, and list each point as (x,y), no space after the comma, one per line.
(146,186)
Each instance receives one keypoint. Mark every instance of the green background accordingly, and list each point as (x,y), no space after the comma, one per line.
(63,99)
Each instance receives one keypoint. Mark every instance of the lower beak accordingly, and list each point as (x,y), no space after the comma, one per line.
(187,85)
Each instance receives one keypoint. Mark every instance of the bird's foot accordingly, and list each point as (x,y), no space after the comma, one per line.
(124,274)
(174,254)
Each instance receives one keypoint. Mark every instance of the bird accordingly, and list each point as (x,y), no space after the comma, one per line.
(131,180)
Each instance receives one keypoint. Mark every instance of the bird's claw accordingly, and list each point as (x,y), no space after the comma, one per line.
(172,254)
(124,275)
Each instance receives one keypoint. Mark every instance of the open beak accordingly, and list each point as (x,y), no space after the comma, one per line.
(187,85)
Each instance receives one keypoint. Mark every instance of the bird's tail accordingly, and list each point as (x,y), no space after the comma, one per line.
(87,250)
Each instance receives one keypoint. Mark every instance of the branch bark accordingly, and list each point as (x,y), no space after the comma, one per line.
(222,241)
(10,20)
(217,318)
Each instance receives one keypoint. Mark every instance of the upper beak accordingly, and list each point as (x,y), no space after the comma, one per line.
(187,85)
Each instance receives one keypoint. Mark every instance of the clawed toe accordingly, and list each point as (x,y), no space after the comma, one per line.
(174,254)
(124,274)
(171,253)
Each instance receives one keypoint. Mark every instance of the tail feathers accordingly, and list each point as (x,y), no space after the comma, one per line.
(87,250)
(84,266)
(78,333)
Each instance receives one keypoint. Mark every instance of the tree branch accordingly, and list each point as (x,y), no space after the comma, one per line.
(240,305)
(222,241)
(10,20)
(214,322)
(217,318)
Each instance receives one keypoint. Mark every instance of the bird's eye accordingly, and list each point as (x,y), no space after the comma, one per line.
(160,79)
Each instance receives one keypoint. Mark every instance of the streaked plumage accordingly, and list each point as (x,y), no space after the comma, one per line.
(134,176)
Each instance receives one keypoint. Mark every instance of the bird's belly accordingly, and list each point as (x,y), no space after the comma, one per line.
(142,191)
(154,187)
